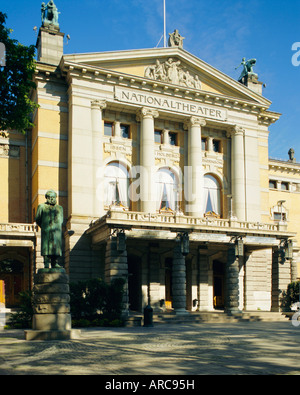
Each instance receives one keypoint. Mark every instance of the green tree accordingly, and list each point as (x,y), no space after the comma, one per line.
(16,82)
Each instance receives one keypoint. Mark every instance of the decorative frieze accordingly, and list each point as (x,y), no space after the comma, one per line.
(172,72)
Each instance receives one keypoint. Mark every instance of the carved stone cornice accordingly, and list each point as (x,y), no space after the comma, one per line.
(194,121)
(146,113)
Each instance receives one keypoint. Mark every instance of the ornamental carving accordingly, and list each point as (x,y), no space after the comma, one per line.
(172,72)
(9,151)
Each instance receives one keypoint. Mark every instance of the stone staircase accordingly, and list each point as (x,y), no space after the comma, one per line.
(219,317)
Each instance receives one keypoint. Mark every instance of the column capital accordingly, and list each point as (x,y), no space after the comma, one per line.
(146,113)
(235,130)
(98,104)
(194,121)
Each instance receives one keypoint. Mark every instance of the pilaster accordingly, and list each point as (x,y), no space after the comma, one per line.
(97,107)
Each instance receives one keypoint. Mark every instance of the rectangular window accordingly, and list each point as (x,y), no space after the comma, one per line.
(272,184)
(125,131)
(284,186)
(216,145)
(108,129)
(158,136)
(204,144)
(173,138)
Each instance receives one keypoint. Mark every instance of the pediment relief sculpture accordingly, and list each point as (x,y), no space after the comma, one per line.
(172,72)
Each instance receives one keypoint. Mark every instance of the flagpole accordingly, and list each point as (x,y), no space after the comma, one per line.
(165,26)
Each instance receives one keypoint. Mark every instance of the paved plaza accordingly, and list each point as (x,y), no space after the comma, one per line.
(254,348)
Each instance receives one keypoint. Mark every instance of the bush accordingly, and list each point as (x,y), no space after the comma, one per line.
(96,303)
(290,296)
(93,303)
(22,319)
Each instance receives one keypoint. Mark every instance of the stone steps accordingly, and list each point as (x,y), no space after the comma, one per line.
(219,317)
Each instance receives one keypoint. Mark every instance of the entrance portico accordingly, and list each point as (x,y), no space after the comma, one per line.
(216,272)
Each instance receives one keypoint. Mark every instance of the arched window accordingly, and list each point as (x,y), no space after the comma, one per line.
(116,184)
(166,190)
(212,195)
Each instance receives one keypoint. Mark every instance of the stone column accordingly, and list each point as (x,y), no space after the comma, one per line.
(179,280)
(97,107)
(238,173)
(147,160)
(281,277)
(294,265)
(232,282)
(116,266)
(193,177)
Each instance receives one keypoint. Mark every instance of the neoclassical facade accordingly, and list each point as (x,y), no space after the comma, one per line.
(161,164)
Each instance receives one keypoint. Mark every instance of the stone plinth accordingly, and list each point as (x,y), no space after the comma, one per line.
(52,318)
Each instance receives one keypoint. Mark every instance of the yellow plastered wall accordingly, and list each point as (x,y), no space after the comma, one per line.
(13,198)
(50,153)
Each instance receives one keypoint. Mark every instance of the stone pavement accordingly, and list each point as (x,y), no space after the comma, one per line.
(251,348)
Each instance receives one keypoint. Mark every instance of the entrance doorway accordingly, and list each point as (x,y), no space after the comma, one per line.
(11,282)
(168,283)
(134,283)
(219,285)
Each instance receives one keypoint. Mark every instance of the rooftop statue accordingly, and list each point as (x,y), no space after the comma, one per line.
(292,155)
(175,39)
(50,15)
(49,218)
(247,70)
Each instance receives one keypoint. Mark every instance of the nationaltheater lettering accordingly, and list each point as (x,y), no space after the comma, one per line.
(169,104)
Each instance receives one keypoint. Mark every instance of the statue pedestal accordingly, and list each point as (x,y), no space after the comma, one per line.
(52,318)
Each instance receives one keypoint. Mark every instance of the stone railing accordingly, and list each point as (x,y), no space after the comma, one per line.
(173,220)
(18,228)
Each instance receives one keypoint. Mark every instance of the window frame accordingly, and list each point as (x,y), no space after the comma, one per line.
(112,129)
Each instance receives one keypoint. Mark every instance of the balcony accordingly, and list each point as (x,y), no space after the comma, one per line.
(17,234)
(177,222)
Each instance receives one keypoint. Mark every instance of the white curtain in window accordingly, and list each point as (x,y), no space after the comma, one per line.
(116,179)
(166,181)
(212,191)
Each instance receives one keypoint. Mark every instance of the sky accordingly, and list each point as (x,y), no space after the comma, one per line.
(220,32)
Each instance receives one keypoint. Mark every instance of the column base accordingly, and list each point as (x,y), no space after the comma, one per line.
(233,311)
(181,312)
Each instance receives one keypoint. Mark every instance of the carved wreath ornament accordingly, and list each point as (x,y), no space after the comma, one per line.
(172,72)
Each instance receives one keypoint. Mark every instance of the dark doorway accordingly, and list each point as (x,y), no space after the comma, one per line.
(189,303)
(168,283)
(134,283)
(11,281)
(219,284)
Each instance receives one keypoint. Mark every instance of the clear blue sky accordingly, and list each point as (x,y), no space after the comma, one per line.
(220,32)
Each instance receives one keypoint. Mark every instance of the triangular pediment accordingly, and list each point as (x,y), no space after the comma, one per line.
(170,66)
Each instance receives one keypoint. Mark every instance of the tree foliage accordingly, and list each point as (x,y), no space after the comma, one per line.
(16,82)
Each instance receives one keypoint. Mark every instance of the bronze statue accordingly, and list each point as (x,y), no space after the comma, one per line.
(247,70)
(292,155)
(49,218)
(50,14)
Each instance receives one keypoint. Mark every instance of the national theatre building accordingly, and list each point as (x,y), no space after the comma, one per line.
(160,162)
